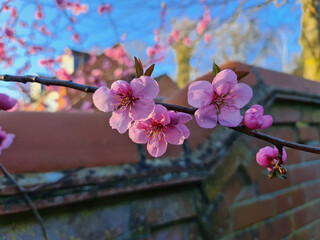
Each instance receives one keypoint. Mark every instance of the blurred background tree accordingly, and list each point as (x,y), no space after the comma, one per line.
(94,42)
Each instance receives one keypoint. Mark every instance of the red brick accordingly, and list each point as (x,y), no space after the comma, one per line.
(293,156)
(246,235)
(307,134)
(266,185)
(247,192)
(285,133)
(285,115)
(303,234)
(231,190)
(306,156)
(289,199)
(312,191)
(275,229)
(254,170)
(315,229)
(250,213)
(306,215)
(183,231)
(304,173)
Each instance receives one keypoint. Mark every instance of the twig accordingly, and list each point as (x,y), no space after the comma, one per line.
(189,110)
(27,199)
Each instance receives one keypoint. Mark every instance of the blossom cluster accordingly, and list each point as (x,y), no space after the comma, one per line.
(133,109)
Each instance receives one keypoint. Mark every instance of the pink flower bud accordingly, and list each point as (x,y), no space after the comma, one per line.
(267,157)
(254,118)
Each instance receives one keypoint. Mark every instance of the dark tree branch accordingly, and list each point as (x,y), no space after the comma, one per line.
(27,200)
(189,110)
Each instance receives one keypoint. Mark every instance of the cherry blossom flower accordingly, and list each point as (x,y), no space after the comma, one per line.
(187,41)
(175,34)
(220,101)
(204,23)
(150,52)
(267,157)
(104,8)
(62,74)
(128,102)
(6,140)
(162,128)
(76,37)
(207,38)
(6,102)
(255,119)
(39,12)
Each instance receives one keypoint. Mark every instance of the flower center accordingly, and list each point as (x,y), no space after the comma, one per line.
(155,131)
(125,100)
(220,101)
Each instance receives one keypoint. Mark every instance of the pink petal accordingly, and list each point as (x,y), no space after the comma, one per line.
(174,135)
(138,135)
(161,115)
(184,117)
(230,117)
(225,81)
(157,147)
(7,102)
(174,118)
(8,141)
(120,86)
(206,117)
(264,155)
(241,94)
(284,155)
(145,87)
(200,94)
(185,131)
(104,99)
(267,121)
(120,120)
(253,121)
(256,108)
(142,109)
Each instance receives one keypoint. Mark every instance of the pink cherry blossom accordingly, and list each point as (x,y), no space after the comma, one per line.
(6,102)
(267,157)
(76,37)
(62,74)
(175,34)
(150,52)
(104,8)
(6,140)
(163,127)
(220,101)
(39,12)
(255,119)
(187,41)
(128,102)
(207,38)
(201,26)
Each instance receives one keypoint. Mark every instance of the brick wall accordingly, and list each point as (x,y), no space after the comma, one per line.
(210,188)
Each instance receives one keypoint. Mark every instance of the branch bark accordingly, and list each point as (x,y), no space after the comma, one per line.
(190,110)
(27,200)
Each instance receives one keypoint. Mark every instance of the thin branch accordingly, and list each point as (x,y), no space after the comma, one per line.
(189,110)
(27,200)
